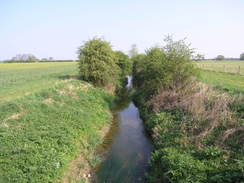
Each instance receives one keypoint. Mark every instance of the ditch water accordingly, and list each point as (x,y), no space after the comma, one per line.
(128,155)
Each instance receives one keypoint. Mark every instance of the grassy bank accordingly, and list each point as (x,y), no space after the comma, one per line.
(197,131)
(18,79)
(41,133)
(195,143)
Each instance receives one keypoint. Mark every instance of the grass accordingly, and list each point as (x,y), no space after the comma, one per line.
(197,132)
(41,133)
(50,123)
(235,67)
(230,83)
(18,79)
(197,138)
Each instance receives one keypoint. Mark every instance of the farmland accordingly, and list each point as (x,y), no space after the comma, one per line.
(18,79)
(234,67)
(231,83)
(47,121)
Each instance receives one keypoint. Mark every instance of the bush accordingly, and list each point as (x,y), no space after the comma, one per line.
(165,67)
(220,57)
(124,63)
(97,63)
(177,166)
(137,69)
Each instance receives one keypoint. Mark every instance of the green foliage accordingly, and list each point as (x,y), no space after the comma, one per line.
(97,63)
(165,67)
(180,155)
(48,129)
(138,62)
(181,166)
(176,161)
(124,63)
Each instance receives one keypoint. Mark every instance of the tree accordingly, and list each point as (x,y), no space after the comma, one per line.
(24,58)
(220,57)
(242,56)
(97,63)
(167,67)
(44,59)
(199,57)
(133,51)
(124,62)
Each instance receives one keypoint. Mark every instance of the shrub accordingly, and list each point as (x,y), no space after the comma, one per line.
(165,67)
(177,166)
(97,63)
(137,69)
(220,57)
(124,63)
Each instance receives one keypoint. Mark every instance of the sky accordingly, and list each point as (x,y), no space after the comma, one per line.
(56,28)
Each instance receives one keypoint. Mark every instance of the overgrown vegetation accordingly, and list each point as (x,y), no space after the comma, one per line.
(102,66)
(197,131)
(124,63)
(41,133)
(98,63)
(166,67)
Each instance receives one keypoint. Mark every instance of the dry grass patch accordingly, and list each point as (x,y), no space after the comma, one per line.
(208,109)
(48,101)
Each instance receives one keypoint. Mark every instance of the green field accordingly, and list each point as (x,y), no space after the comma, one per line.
(54,129)
(235,67)
(18,79)
(231,83)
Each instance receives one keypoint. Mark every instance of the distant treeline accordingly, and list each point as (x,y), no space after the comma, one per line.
(30,58)
(225,59)
(14,61)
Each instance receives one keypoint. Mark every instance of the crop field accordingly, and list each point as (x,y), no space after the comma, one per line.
(18,79)
(231,83)
(234,67)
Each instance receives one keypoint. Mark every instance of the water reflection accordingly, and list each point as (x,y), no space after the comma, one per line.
(129,153)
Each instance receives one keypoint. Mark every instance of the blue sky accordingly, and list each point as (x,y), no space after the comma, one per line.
(56,28)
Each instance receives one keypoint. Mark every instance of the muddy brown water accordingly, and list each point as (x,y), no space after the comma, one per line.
(128,155)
